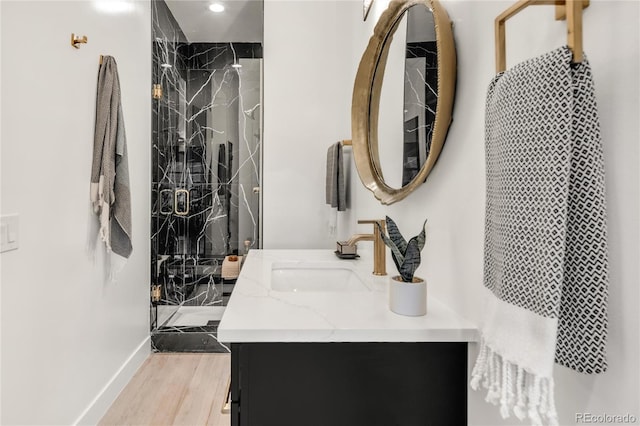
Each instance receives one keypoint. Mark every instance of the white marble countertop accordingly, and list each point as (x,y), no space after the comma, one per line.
(258,313)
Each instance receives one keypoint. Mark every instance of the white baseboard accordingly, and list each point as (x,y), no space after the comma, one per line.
(108,394)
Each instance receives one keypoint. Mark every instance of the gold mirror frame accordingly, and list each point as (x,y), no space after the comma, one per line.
(365,104)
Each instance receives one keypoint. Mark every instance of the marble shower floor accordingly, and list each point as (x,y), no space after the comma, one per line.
(195,316)
(190,329)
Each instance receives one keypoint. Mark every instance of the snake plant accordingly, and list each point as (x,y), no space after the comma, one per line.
(406,255)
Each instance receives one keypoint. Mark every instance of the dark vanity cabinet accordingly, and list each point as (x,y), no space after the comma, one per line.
(349,384)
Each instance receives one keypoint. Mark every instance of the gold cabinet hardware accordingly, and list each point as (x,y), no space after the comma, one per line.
(75,40)
(157,91)
(226,404)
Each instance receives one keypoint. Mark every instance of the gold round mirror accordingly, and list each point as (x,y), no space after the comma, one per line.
(423,54)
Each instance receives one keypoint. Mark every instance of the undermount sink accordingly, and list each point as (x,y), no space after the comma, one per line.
(315,277)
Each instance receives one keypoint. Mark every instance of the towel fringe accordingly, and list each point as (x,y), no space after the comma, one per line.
(520,406)
(529,395)
(481,365)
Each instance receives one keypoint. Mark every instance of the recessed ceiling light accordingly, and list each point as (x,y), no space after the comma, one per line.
(216,7)
(114,6)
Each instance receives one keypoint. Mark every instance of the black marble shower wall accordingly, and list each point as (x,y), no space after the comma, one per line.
(205,161)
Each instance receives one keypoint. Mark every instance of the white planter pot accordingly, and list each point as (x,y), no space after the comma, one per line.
(408,298)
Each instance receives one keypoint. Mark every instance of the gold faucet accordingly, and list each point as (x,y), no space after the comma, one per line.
(379,249)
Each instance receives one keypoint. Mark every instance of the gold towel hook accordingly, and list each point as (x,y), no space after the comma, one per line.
(75,40)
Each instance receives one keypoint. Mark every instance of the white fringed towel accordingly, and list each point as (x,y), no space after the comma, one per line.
(546,265)
(110,193)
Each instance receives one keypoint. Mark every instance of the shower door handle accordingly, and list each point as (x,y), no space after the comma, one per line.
(176,204)
(166,201)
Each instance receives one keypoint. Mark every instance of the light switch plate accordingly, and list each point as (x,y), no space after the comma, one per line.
(9,235)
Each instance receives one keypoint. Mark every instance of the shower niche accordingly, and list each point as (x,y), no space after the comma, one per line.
(206,174)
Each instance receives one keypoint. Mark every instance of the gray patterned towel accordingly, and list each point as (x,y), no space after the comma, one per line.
(110,194)
(545,235)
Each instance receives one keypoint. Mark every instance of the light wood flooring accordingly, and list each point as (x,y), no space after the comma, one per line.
(174,389)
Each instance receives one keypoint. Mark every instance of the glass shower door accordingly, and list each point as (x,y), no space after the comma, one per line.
(206,148)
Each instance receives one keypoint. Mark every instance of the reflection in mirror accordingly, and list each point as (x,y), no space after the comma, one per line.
(409,97)
(420,90)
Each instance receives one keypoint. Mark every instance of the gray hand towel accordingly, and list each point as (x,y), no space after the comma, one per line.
(110,193)
(335,189)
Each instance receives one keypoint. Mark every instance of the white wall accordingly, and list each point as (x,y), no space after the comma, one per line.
(66,331)
(307,96)
(308,99)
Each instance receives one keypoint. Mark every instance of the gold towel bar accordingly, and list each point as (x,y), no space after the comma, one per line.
(346,142)
(571,10)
